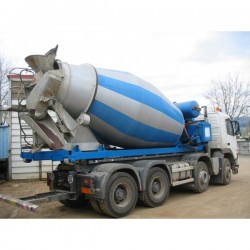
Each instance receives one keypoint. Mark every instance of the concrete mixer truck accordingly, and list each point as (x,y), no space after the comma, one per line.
(118,139)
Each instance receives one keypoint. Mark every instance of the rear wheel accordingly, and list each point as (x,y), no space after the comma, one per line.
(157,188)
(201,177)
(120,195)
(226,178)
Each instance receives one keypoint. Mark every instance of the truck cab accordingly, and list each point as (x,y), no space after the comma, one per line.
(224,131)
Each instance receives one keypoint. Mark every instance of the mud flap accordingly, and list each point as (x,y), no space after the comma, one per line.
(218,179)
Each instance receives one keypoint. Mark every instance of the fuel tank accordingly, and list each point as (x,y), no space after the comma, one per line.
(124,110)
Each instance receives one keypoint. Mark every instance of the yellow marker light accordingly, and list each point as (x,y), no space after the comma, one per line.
(217,109)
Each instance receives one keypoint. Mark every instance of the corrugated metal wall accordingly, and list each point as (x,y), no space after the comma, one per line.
(18,169)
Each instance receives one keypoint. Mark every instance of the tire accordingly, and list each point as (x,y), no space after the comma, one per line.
(80,202)
(120,195)
(157,188)
(226,177)
(96,206)
(201,177)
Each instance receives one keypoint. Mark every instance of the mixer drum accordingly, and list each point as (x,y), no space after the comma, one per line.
(124,110)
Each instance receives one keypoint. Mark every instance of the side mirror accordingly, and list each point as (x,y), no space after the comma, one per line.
(236,126)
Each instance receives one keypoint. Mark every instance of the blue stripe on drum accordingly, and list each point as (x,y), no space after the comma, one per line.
(141,95)
(131,127)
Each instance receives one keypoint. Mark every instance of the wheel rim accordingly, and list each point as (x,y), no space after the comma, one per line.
(121,195)
(203,177)
(157,187)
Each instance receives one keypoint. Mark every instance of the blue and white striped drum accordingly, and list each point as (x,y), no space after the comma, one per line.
(124,110)
(131,113)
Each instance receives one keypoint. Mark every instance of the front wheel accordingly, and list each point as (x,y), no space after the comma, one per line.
(201,177)
(226,172)
(120,195)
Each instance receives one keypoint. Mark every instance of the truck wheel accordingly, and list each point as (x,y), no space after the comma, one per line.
(226,172)
(96,206)
(157,188)
(120,195)
(201,177)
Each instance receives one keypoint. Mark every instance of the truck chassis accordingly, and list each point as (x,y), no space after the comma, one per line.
(113,185)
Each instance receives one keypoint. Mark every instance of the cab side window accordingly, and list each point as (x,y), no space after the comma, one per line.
(229,125)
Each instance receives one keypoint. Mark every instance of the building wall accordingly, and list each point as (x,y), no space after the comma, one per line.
(18,169)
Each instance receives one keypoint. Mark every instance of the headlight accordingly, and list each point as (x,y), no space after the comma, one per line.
(70,179)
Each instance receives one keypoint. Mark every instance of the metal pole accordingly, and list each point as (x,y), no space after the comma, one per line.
(40,170)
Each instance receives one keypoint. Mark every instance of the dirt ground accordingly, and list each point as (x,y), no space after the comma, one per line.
(232,201)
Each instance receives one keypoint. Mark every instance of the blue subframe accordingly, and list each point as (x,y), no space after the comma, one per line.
(75,154)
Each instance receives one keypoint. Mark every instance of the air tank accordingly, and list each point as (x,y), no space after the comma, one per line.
(189,109)
(124,110)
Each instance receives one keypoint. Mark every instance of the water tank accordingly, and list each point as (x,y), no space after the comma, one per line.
(124,110)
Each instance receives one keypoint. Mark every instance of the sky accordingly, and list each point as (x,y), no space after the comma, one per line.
(177,47)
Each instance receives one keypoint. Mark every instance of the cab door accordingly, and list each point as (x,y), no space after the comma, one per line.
(231,138)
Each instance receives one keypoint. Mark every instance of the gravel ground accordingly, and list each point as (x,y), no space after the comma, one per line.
(232,201)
